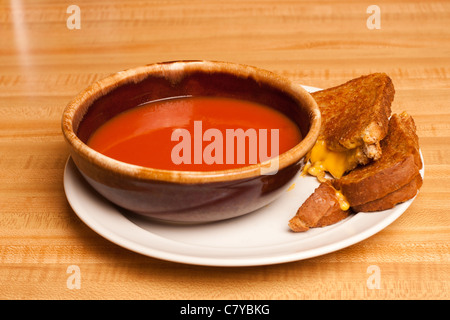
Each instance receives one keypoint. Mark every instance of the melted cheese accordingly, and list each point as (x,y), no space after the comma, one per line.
(343,203)
(324,160)
(291,187)
(321,160)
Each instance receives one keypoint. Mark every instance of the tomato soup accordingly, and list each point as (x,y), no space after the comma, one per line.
(196,134)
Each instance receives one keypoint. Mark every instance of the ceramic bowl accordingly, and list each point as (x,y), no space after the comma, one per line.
(187,196)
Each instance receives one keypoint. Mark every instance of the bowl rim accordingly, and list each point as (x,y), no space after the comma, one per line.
(86,97)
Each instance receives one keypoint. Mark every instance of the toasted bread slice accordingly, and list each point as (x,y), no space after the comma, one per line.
(355,117)
(356,113)
(398,166)
(389,201)
(322,208)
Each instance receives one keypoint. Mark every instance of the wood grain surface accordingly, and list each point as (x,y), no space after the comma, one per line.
(43,64)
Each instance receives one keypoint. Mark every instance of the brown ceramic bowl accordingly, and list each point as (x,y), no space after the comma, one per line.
(187,196)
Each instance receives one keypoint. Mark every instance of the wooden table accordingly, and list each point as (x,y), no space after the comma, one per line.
(44,62)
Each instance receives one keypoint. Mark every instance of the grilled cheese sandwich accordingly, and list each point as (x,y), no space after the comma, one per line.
(355,117)
(373,158)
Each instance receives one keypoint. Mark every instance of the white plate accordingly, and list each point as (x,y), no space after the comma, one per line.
(259,238)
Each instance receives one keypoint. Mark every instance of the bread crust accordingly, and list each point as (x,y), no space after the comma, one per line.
(365,186)
(389,201)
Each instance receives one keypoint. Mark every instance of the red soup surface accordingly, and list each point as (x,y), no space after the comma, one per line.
(196,134)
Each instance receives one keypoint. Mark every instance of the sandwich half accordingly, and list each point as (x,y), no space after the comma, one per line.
(394,178)
(355,117)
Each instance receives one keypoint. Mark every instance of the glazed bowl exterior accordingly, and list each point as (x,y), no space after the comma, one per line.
(187,196)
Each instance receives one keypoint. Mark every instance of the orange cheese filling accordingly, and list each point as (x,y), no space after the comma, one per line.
(324,160)
(343,203)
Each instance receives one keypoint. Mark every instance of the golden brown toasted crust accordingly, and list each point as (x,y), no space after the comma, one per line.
(356,114)
(389,201)
(332,217)
(399,164)
(320,209)
(405,124)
